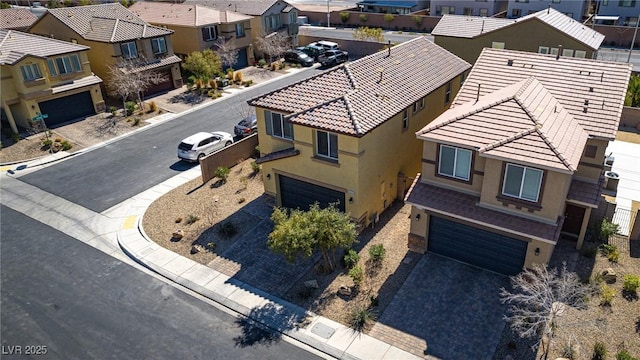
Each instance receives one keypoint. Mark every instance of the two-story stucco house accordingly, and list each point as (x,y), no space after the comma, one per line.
(347,135)
(555,33)
(46,76)
(114,34)
(198,27)
(518,159)
(268,16)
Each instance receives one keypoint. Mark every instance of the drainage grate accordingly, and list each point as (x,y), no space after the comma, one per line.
(322,330)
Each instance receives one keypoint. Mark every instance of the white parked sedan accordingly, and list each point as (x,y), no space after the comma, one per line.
(199,145)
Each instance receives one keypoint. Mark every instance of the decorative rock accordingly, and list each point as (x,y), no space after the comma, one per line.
(609,275)
(344,290)
(311,284)
(194,250)
(178,234)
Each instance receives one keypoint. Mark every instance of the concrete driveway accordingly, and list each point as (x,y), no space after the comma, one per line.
(453,307)
(627,166)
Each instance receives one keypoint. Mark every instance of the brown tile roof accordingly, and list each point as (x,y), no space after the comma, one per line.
(109,23)
(590,90)
(586,193)
(277,155)
(16,18)
(454,203)
(184,14)
(253,7)
(358,96)
(15,45)
(462,26)
(522,122)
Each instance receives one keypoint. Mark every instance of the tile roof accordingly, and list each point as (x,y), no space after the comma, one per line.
(356,97)
(460,205)
(109,23)
(16,18)
(184,14)
(521,122)
(15,45)
(472,26)
(586,193)
(592,91)
(254,7)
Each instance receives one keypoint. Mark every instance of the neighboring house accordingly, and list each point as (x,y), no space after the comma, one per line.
(469,8)
(518,159)
(627,11)
(115,35)
(46,76)
(392,7)
(575,9)
(198,27)
(269,16)
(347,135)
(16,19)
(555,33)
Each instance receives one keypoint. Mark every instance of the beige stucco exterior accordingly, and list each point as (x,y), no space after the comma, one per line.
(20,99)
(288,25)
(515,37)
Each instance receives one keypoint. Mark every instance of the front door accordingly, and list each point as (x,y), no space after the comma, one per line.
(573,216)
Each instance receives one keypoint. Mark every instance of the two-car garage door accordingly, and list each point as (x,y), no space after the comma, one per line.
(67,108)
(475,246)
(300,194)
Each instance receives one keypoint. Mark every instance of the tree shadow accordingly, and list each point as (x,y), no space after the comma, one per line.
(630,295)
(188,97)
(265,324)
(634,248)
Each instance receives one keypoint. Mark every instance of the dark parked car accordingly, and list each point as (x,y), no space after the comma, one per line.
(312,51)
(333,57)
(298,57)
(246,126)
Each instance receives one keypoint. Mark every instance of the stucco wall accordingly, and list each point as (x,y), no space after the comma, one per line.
(412,22)
(590,169)
(228,156)
(630,118)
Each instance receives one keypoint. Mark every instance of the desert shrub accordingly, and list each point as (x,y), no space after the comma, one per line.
(374,301)
(47,142)
(624,355)
(113,110)
(58,139)
(599,351)
(66,145)
(222,172)
(227,229)
(363,18)
(417,20)
(631,283)
(178,220)
(255,167)
(130,106)
(351,259)
(589,251)
(136,121)
(256,152)
(262,62)
(15,137)
(192,219)
(611,252)
(153,106)
(606,295)
(344,16)
(389,17)
(247,83)
(357,275)
(568,351)
(0,145)
(237,77)
(241,200)
(211,245)
(377,252)
(191,80)
(607,229)
(361,317)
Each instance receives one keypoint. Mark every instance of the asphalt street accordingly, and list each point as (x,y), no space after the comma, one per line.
(107,176)
(66,300)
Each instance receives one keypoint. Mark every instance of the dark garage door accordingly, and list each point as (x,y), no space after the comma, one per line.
(475,246)
(166,85)
(67,108)
(299,194)
(242,61)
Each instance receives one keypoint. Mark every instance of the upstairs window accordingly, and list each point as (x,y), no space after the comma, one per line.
(239,30)
(627,3)
(277,126)
(64,65)
(209,33)
(405,119)
(129,50)
(484,12)
(447,93)
(522,182)
(467,11)
(454,162)
(30,72)
(272,22)
(159,46)
(327,145)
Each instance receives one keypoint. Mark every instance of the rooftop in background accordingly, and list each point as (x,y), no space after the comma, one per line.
(16,45)
(356,97)
(16,18)
(592,91)
(184,14)
(254,7)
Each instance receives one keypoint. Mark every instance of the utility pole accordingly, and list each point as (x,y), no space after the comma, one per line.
(635,32)
(328,13)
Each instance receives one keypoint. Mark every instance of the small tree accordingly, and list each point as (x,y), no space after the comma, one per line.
(538,301)
(227,51)
(303,232)
(417,19)
(389,18)
(203,64)
(127,78)
(273,44)
(633,92)
(363,18)
(365,33)
(344,17)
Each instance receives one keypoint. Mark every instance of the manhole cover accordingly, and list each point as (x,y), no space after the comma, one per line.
(322,330)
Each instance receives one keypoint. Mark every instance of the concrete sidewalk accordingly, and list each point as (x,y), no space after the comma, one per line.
(291,320)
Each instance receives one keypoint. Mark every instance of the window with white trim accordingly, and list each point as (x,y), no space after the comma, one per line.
(30,72)
(64,65)
(522,182)
(272,22)
(497,45)
(277,126)
(422,102)
(484,12)
(447,93)
(129,50)
(543,49)
(52,68)
(327,145)
(405,119)
(159,46)
(580,54)
(554,51)
(239,30)
(209,33)
(567,52)
(627,3)
(415,107)
(454,162)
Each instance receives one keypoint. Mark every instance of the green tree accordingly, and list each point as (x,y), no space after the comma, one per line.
(365,33)
(633,92)
(203,64)
(4,5)
(303,232)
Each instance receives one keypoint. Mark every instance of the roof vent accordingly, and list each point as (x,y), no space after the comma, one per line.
(559,51)
(478,94)
(591,89)
(509,62)
(586,102)
(584,110)
(389,54)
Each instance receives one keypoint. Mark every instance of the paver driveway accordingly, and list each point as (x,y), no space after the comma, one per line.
(454,307)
